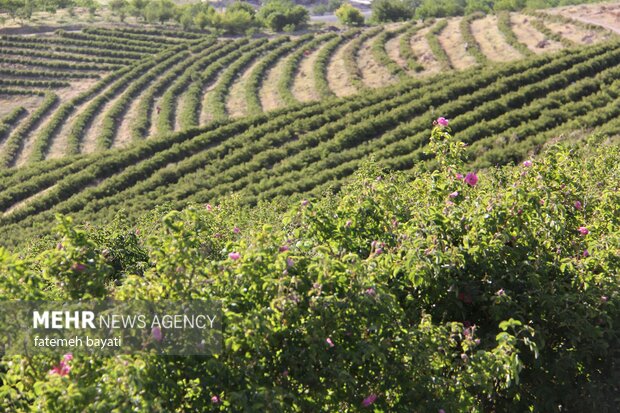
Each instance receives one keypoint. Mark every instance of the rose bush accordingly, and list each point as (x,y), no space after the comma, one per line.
(419,292)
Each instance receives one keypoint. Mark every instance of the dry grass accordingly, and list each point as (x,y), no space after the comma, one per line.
(269,96)
(491,40)
(337,76)
(236,104)
(452,42)
(423,52)
(304,88)
(606,15)
(577,34)
(373,73)
(532,38)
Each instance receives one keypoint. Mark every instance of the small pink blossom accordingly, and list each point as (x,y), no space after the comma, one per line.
(454,194)
(371,291)
(289,262)
(63,368)
(369,400)
(583,231)
(441,411)
(604,298)
(379,251)
(283,248)
(157,334)
(586,253)
(236,230)
(78,267)
(304,202)
(442,121)
(471,179)
(215,399)
(234,256)
(348,223)
(578,206)
(209,207)
(459,176)
(527,163)
(329,342)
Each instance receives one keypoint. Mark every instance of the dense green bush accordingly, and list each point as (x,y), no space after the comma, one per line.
(454,289)
(279,15)
(349,15)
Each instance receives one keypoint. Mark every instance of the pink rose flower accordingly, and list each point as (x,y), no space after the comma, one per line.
(459,176)
(527,163)
(471,179)
(454,194)
(370,399)
(157,334)
(329,342)
(578,206)
(215,399)
(442,121)
(234,256)
(583,231)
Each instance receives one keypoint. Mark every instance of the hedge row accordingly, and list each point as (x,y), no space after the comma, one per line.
(58,64)
(216,98)
(46,73)
(351,56)
(436,48)
(259,73)
(505,26)
(192,101)
(380,54)
(473,47)
(322,62)
(66,56)
(44,84)
(405,49)
(16,140)
(9,121)
(542,27)
(79,50)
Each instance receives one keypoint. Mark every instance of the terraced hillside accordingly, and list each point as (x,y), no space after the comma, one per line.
(90,90)
(502,112)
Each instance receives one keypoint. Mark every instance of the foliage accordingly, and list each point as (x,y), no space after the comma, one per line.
(392,10)
(349,15)
(412,293)
(277,15)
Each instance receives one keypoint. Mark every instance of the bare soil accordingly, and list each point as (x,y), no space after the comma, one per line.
(452,42)
(576,34)
(492,41)
(374,74)
(606,15)
(236,104)
(392,47)
(423,52)
(269,96)
(304,88)
(532,38)
(337,76)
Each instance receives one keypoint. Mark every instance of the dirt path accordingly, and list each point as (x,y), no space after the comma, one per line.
(304,88)
(337,76)
(236,104)
(492,41)
(423,52)
(268,93)
(374,74)
(531,37)
(452,42)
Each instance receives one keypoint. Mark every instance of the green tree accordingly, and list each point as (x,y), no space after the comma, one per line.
(160,10)
(137,8)
(392,10)
(280,14)
(349,15)
(119,8)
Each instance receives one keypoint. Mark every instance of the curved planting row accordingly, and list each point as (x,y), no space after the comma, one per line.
(74,50)
(216,98)
(290,156)
(505,27)
(16,140)
(539,25)
(405,50)
(43,84)
(259,73)
(350,57)
(380,54)
(473,48)
(62,38)
(9,121)
(322,62)
(433,42)
(55,65)
(64,56)
(291,68)
(192,101)
(46,74)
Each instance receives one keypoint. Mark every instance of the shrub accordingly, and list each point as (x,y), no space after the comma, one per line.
(392,10)
(349,15)
(278,14)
